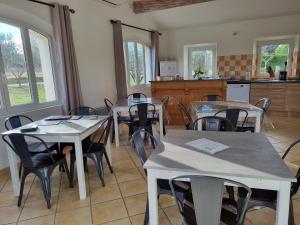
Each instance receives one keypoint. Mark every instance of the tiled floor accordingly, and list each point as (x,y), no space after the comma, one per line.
(122,201)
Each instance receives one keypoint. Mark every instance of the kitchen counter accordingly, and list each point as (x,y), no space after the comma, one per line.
(233,81)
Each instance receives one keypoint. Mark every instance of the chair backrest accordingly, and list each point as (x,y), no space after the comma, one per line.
(295,186)
(83,111)
(185,114)
(233,115)
(264,104)
(213,123)
(136,95)
(109,106)
(203,204)
(143,110)
(212,98)
(16,121)
(19,145)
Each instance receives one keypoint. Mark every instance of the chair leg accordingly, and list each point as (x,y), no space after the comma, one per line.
(164,129)
(24,175)
(85,165)
(65,165)
(146,218)
(45,178)
(20,169)
(108,162)
(97,158)
(72,165)
(291,213)
(113,133)
(151,132)
(230,192)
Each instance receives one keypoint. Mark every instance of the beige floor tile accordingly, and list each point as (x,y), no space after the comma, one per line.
(125,221)
(166,201)
(263,216)
(134,187)
(70,200)
(107,193)
(81,216)
(127,175)
(136,204)
(173,215)
(139,219)
(123,165)
(9,214)
(44,220)
(94,181)
(108,211)
(8,199)
(37,209)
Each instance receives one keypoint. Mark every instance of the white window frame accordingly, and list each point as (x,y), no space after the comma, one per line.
(292,40)
(186,49)
(5,107)
(147,71)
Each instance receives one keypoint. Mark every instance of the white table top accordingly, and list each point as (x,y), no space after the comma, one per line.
(65,127)
(215,106)
(250,155)
(134,101)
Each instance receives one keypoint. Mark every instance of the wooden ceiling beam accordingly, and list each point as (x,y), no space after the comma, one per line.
(142,6)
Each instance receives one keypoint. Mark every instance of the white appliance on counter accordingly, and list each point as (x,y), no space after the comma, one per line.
(168,68)
(238,92)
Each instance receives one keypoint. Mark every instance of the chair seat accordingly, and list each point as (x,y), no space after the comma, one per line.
(35,148)
(43,160)
(259,195)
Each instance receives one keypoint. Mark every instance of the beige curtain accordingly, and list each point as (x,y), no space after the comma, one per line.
(155,54)
(68,75)
(120,69)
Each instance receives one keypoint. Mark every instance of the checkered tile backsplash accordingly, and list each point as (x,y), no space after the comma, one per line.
(234,65)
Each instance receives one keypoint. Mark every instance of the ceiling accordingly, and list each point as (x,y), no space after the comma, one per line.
(222,11)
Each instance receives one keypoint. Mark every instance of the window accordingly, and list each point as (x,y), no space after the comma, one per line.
(27,77)
(200,60)
(274,54)
(138,63)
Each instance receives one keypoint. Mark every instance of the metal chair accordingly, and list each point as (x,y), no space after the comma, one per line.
(94,149)
(121,119)
(233,115)
(17,121)
(83,111)
(212,98)
(203,203)
(185,115)
(163,187)
(165,102)
(268,198)
(136,95)
(40,164)
(213,123)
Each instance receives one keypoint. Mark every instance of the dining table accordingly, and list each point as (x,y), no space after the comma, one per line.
(61,131)
(210,108)
(249,159)
(122,107)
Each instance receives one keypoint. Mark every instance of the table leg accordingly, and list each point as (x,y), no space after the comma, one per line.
(161,133)
(257,123)
(152,198)
(14,170)
(116,128)
(80,169)
(283,202)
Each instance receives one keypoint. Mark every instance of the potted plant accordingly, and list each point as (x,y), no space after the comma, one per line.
(199,73)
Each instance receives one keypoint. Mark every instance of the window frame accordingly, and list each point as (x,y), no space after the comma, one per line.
(5,105)
(186,50)
(292,40)
(126,54)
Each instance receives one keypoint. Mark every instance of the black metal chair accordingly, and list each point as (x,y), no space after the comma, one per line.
(94,149)
(163,187)
(233,114)
(17,121)
(40,164)
(264,104)
(268,198)
(213,123)
(83,111)
(165,102)
(121,119)
(188,121)
(212,98)
(203,189)
(136,95)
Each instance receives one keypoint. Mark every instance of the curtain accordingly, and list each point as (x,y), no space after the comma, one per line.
(120,69)
(155,54)
(68,83)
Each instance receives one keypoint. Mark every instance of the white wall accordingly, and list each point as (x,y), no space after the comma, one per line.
(173,40)
(93,39)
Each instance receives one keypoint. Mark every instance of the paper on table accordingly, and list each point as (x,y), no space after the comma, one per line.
(207,145)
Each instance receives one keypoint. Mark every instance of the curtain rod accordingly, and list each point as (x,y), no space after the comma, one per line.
(138,28)
(48,4)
